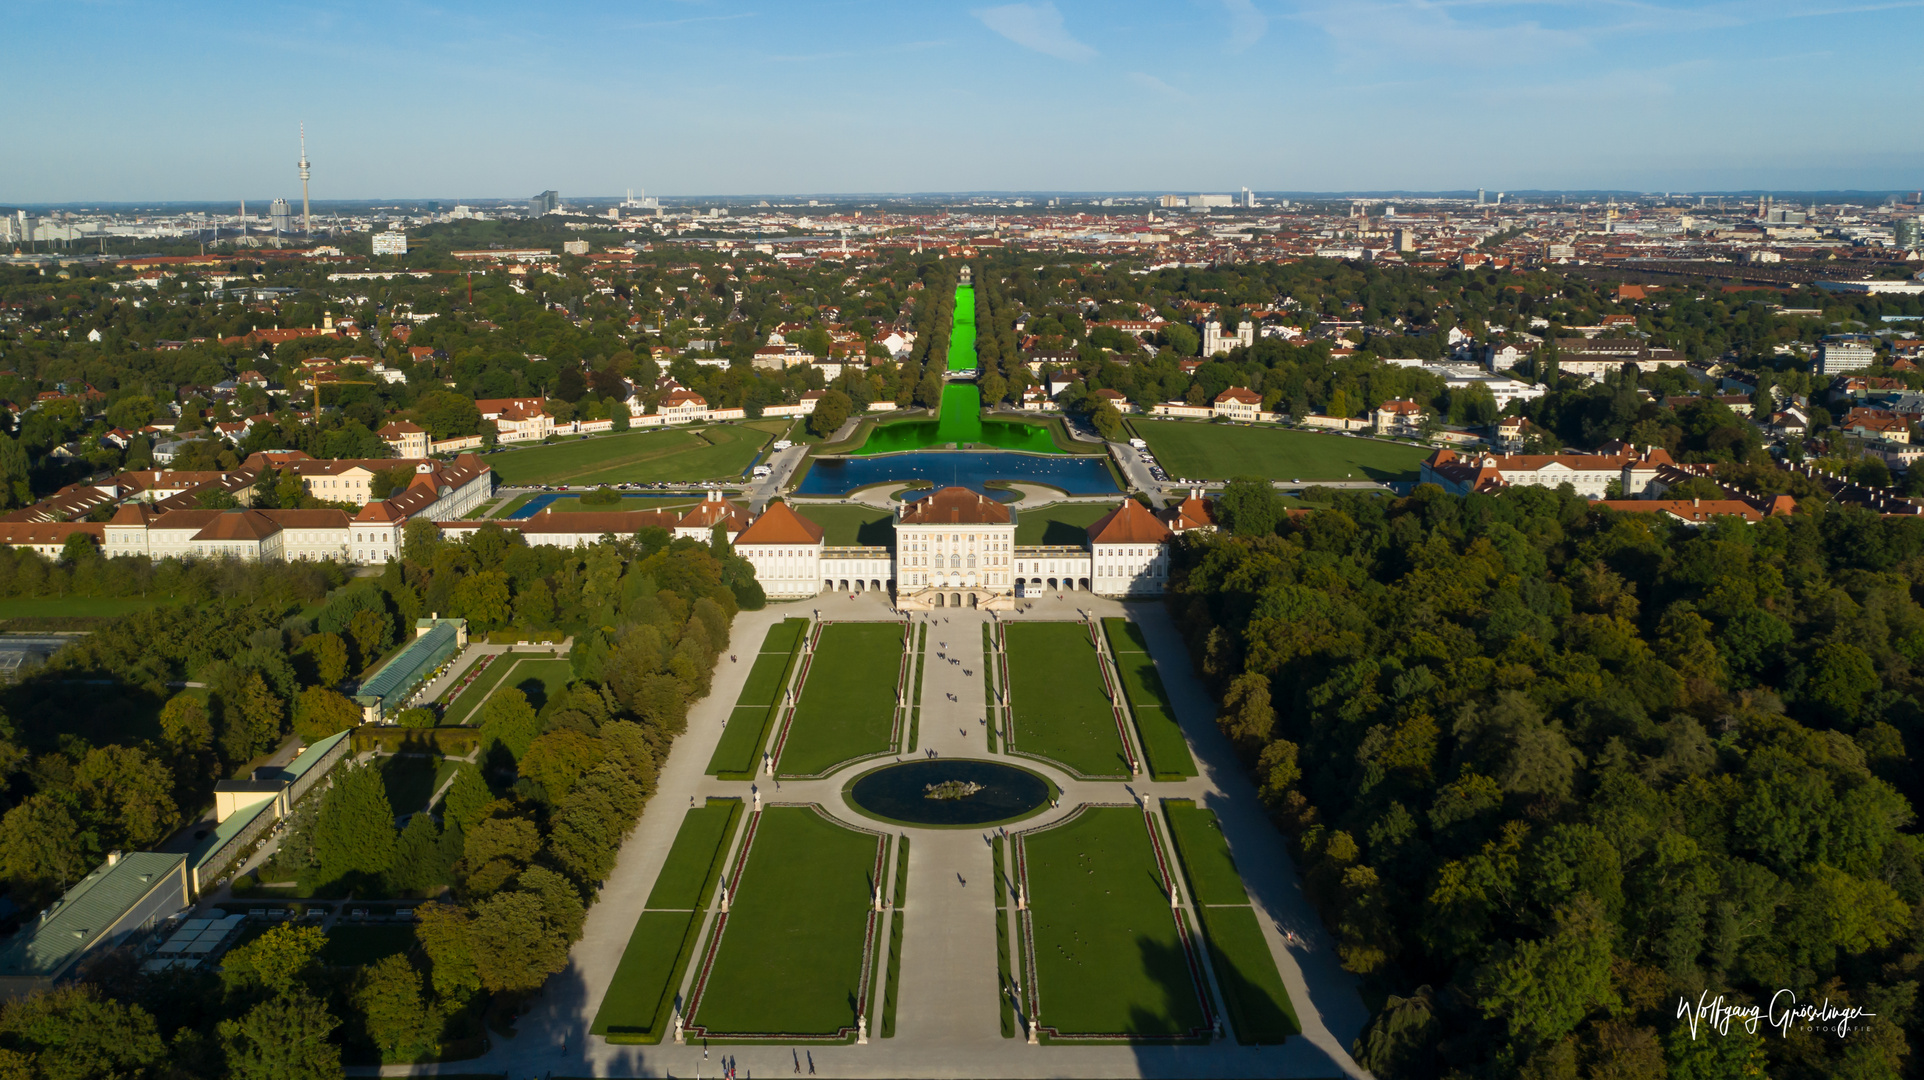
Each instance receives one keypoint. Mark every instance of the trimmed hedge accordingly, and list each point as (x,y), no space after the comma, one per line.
(446,741)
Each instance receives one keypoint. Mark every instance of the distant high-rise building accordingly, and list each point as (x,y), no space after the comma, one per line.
(1403,240)
(1479,196)
(545,203)
(1905,231)
(1249,198)
(1844,355)
(391,242)
(307,225)
(280,216)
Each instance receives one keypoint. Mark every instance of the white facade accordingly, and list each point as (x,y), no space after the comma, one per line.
(955,558)
(786,571)
(1127,569)
(1215,341)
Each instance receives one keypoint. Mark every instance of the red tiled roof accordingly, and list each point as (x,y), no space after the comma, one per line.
(955,506)
(781,525)
(1130,523)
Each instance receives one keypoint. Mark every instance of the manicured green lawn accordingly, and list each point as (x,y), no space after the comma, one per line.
(852,524)
(1162,739)
(1204,853)
(1202,451)
(739,750)
(694,861)
(358,945)
(635,457)
(1108,957)
(1060,523)
(95,606)
(1253,993)
(1056,699)
(847,709)
(645,976)
(539,678)
(790,959)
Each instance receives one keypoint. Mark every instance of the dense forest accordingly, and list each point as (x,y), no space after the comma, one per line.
(1549,770)
(102,751)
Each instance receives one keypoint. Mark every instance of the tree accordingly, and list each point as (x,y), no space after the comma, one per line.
(1107,420)
(1249,507)
(42,847)
(1181,339)
(832,410)
(127,795)
(516,944)
(482,599)
(355,832)
(282,962)
(444,933)
(1248,718)
(420,539)
(467,800)
(15,488)
(72,1033)
(448,415)
(252,720)
(1542,989)
(321,712)
(185,726)
(557,759)
(79,548)
(534,606)
(372,632)
(388,994)
(509,720)
(330,657)
(418,865)
(284,1038)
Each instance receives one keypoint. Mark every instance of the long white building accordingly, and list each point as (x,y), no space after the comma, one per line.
(956,548)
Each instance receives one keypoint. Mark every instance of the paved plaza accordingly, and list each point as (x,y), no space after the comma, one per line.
(947,1019)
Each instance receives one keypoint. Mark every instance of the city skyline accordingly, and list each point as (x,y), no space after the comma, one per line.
(722,99)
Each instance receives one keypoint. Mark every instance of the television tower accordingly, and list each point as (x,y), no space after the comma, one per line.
(305,226)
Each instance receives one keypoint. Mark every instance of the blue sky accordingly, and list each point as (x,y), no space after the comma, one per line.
(128,100)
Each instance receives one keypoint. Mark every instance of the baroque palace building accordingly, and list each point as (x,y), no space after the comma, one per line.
(956,548)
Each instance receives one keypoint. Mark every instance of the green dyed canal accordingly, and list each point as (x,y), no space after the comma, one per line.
(960,421)
(962,335)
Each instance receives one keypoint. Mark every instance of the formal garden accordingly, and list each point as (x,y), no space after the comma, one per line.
(1205,451)
(1258,1005)
(639,457)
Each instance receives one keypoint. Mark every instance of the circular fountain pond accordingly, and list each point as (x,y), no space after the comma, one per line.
(949,793)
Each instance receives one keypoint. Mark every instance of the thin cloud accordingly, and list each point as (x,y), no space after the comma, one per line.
(1150,82)
(1246,25)
(1035,26)
(665,23)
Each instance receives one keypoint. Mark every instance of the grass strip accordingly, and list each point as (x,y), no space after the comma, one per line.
(1253,993)
(640,998)
(1206,861)
(694,861)
(902,873)
(895,976)
(738,752)
(1005,984)
(1001,875)
(1163,744)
